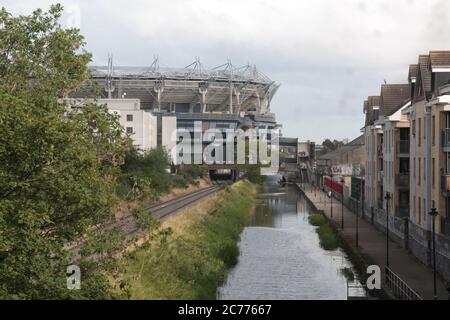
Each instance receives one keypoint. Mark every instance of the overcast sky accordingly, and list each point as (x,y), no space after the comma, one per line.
(328,55)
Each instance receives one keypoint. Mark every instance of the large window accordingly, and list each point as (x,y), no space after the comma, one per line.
(419,172)
(420,132)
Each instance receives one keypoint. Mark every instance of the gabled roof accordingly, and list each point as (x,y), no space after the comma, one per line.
(374,101)
(393,97)
(440,59)
(355,144)
(412,72)
(425,73)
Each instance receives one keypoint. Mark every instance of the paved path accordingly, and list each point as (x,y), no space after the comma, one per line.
(373,244)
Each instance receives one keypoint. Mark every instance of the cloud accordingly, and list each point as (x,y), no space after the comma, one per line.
(329,55)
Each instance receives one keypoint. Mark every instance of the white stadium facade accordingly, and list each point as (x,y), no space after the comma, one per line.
(153,101)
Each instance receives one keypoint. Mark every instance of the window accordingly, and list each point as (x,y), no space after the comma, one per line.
(419,172)
(419,212)
(129,117)
(420,132)
(433,172)
(129,130)
(433,129)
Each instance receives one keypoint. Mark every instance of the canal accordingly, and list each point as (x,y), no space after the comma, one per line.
(280,256)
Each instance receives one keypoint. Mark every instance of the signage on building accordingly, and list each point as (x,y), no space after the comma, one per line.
(357,186)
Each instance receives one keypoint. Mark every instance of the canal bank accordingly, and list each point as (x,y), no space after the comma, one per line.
(280,255)
(372,246)
(189,256)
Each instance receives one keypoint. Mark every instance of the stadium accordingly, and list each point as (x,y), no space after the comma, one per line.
(225,89)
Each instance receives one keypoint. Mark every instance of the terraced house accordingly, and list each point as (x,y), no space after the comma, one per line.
(373,140)
(429,115)
(407,145)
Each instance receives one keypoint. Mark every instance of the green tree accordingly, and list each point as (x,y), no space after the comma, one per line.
(57,169)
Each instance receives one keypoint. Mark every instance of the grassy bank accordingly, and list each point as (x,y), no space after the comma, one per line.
(328,239)
(192,261)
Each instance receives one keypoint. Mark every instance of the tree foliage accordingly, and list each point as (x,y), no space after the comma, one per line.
(57,169)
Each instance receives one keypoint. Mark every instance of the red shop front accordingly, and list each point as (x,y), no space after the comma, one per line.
(333,185)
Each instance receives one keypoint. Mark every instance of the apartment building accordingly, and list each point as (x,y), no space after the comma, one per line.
(429,115)
(394,99)
(373,135)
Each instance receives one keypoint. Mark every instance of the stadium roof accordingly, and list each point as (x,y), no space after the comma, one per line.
(194,71)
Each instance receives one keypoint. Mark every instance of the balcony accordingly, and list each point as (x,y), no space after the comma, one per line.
(380,203)
(402,212)
(403,149)
(445,226)
(445,185)
(446,140)
(402,181)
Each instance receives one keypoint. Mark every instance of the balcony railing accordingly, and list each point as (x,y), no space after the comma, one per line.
(402,180)
(402,212)
(403,147)
(446,138)
(380,203)
(445,226)
(445,183)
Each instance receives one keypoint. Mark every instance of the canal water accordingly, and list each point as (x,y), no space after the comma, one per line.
(280,256)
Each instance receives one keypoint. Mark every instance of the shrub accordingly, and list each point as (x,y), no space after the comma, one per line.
(317,220)
(328,239)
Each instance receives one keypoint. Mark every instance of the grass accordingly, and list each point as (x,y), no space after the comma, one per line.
(192,262)
(317,220)
(328,239)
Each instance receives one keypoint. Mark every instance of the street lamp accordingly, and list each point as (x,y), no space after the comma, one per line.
(433,213)
(331,194)
(342,198)
(362,209)
(387,198)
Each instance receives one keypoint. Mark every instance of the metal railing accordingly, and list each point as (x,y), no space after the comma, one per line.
(399,288)
(402,211)
(403,147)
(445,226)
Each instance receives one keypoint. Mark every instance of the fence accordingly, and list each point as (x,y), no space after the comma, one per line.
(399,288)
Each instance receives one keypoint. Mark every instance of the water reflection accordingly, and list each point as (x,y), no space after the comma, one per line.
(280,256)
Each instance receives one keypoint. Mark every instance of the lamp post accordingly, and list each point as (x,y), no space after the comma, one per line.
(433,213)
(331,194)
(387,198)
(357,213)
(342,199)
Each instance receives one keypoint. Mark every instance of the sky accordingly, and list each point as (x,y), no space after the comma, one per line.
(328,55)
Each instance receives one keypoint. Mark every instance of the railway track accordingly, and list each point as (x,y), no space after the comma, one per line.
(158,210)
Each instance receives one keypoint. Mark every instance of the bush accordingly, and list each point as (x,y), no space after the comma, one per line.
(317,220)
(328,239)
(147,171)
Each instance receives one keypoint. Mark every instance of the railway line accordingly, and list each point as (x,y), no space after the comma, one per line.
(158,210)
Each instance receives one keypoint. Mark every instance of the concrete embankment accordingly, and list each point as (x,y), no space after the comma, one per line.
(372,247)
